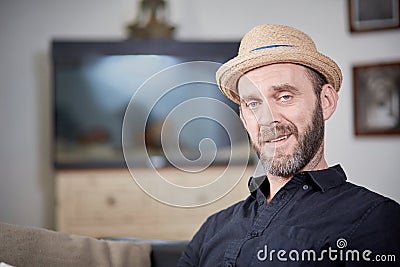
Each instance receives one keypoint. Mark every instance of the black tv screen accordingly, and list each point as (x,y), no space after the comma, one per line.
(94,83)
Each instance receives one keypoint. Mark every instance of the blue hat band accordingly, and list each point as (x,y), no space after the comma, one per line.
(270,46)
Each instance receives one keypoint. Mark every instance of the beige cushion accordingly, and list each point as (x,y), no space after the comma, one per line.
(27,246)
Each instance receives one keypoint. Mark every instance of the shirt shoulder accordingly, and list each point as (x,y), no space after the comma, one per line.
(223,217)
(377,212)
(367,196)
(377,229)
(194,253)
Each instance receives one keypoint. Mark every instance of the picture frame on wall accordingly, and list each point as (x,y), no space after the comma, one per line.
(376,92)
(373,15)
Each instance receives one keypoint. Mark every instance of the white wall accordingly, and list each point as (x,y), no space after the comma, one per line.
(27,26)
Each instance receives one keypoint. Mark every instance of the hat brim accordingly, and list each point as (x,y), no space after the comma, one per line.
(228,74)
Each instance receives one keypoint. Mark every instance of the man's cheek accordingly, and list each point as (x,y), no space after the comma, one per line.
(251,126)
(254,132)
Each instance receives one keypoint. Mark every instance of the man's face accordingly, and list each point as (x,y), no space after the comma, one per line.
(283,117)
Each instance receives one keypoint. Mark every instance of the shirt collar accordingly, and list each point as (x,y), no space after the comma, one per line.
(324,179)
(328,178)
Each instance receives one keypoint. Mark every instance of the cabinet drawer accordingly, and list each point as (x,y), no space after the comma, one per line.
(109,203)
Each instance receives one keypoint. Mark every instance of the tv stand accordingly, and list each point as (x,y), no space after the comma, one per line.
(108,203)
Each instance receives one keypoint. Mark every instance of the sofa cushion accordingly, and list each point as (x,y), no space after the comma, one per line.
(27,246)
(164,253)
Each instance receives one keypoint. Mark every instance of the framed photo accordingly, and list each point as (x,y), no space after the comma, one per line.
(372,15)
(377,99)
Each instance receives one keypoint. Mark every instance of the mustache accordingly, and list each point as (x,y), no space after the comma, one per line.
(268,133)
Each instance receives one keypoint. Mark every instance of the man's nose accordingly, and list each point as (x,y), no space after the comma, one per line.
(268,115)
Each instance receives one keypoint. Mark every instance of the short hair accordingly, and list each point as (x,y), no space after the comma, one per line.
(317,79)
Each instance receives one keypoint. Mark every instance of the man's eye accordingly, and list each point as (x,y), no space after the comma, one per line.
(285,98)
(252,104)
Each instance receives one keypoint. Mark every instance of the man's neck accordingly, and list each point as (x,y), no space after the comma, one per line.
(277,182)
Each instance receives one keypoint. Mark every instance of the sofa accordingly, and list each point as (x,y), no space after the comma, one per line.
(30,246)
(163,253)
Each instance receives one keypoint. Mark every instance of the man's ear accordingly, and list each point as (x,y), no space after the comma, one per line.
(329,99)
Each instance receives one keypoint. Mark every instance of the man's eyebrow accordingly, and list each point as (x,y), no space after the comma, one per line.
(250,97)
(285,87)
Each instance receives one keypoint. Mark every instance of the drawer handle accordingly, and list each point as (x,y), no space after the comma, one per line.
(111,201)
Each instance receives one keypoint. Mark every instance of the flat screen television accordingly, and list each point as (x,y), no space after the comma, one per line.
(94,83)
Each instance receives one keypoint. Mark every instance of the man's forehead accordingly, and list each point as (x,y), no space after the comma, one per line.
(274,76)
(274,68)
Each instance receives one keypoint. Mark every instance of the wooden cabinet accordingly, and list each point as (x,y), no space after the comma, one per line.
(105,203)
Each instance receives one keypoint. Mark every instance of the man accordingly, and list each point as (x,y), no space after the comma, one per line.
(303,213)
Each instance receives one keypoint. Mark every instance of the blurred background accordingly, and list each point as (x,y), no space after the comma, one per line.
(27,27)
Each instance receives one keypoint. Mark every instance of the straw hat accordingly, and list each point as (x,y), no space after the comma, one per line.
(271,44)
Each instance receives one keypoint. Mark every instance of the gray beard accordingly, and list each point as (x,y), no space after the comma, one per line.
(308,145)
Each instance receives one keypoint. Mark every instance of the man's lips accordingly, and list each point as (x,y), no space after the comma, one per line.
(278,139)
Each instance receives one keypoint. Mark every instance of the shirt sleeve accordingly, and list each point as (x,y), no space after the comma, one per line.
(377,236)
(191,255)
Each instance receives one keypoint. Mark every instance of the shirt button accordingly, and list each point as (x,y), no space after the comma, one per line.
(229,265)
(283,196)
(261,203)
(305,187)
(254,234)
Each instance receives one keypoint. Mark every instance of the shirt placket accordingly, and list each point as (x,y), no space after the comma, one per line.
(265,215)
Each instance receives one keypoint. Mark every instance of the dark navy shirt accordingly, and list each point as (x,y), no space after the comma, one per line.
(316,219)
